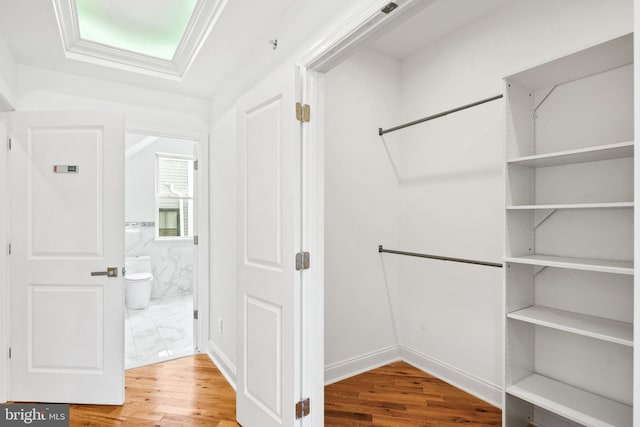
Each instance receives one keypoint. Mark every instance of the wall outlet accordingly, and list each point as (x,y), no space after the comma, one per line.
(220,325)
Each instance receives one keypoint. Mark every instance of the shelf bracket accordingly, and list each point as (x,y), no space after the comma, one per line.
(539,217)
(535,109)
(539,269)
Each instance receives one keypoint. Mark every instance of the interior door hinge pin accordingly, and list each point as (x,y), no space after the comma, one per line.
(303,112)
(303,408)
(303,261)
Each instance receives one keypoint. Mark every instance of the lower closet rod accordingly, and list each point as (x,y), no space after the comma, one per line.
(441,258)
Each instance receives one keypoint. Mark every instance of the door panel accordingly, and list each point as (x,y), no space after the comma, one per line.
(67,326)
(78,229)
(263,209)
(263,332)
(52,349)
(269,237)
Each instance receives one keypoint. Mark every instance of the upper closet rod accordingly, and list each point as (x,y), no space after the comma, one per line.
(440,258)
(435,116)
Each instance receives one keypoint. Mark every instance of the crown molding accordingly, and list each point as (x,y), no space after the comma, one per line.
(204,17)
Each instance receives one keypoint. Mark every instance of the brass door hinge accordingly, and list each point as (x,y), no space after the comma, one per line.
(303,112)
(302,408)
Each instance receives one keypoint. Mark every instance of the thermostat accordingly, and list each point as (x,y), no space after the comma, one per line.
(66,169)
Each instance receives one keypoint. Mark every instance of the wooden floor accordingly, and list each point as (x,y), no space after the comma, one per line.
(183,392)
(192,392)
(401,395)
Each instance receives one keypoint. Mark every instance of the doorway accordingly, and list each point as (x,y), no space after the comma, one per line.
(160,255)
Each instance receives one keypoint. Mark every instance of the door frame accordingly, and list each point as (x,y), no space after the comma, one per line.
(201,264)
(202,279)
(4,259)
(338,45)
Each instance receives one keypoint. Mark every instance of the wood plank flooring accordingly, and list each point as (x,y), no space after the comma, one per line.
(401,395)
(192,392)
(183,392)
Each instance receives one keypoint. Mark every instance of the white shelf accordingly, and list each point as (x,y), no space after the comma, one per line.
(572,403)
(590,326)
(582,155)
(604,266)
(612,205)
(596,59)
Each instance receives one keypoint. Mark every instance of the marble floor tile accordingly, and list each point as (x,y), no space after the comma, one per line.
(162,331)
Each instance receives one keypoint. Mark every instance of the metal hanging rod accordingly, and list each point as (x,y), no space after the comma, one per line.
(441,258)
(435,116)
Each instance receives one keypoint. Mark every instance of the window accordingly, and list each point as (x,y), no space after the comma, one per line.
(174,196)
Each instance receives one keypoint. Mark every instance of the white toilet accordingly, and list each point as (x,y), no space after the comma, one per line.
(138,280)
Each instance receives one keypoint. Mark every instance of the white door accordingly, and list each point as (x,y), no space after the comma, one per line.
(66,226)
(268,369)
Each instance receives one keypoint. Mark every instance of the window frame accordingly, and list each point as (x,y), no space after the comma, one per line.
(158,198)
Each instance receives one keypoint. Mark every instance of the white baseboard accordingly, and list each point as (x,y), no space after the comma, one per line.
(491,393)
(223,363)
(335,372)
(356,365)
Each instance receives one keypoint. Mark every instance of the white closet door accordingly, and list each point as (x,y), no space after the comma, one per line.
(268,370)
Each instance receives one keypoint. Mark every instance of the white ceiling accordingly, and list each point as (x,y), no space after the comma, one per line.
(237,49)
(431,23)
(30,29)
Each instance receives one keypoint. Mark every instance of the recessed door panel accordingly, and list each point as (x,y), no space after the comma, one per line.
(62,339)
(65,192)
(263,180)
(263,381)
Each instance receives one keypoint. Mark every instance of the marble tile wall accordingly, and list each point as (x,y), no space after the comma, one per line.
(171,260)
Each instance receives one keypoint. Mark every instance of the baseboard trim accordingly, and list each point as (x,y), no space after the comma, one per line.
(223,363)
(489,392)
(356,365)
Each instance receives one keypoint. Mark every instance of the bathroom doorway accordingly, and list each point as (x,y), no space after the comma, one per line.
(160,263)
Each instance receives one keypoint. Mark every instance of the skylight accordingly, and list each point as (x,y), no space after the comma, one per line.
(155,37)
(149,27)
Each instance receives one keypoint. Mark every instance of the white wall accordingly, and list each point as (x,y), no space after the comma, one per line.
(8,77)
(361,200)
(41,89)
(452,201)
(223,218)
(450,187)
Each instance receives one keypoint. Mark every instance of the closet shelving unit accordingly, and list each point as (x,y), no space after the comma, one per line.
(569,240)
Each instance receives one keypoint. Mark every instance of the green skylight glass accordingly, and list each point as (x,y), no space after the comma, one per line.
(149,27)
